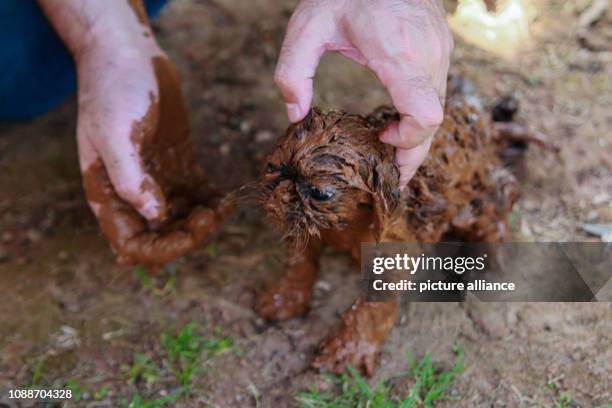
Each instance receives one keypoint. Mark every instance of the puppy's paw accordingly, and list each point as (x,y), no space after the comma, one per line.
(344,349)
(283,300)
(365,325)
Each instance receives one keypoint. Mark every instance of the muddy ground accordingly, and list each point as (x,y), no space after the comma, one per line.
(69,312)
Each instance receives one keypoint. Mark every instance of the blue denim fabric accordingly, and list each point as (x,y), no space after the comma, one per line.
(36,70)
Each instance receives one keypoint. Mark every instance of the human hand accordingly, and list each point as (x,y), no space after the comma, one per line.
(406,43)
(139,167)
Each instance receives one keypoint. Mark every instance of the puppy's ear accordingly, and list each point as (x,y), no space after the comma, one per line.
(385,192)
(382,116)
(313,122)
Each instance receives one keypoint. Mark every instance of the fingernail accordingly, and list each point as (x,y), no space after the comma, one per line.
(384,137)
(405,179)
(150,210)
(388,133)
(294,112)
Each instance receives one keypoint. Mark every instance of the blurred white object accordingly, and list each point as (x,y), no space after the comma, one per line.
(603,231)
(502,32)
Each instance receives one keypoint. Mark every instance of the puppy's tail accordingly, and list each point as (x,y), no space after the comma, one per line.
(513,137)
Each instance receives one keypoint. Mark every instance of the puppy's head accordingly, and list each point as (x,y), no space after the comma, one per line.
(330,172)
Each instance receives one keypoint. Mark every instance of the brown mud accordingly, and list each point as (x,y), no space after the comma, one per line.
(291,296)
(168,155)
(364,327)
(140,11)
(57,272)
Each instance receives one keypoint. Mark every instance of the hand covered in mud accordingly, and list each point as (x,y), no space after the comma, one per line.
(139,167)
(406,43)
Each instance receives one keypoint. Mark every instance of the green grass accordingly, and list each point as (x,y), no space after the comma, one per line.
(186,354)
(219,344)
(142,369)
(564,400)
(144,278)
(138,402)
(354,393)
(80,391)
(430,386)
(185,350)
(212,250)
(77,389)
(561,399)
(148,283)
(100,393)
(37,374)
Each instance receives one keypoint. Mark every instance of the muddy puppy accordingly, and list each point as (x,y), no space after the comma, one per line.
(331,182)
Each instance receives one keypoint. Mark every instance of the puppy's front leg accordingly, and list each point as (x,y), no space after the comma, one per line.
(365,325)
(290,297)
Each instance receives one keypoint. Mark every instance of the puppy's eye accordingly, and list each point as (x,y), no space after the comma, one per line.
(321,195)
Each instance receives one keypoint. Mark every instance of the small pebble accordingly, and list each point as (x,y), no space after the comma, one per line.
(601,198)
(34,236)
(224,149)
(245,126)
(264,136)
(323,285)
(7,237)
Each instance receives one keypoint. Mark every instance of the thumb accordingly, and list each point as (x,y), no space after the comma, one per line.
(300,54)
(137,187)
(418,104)
(129,178)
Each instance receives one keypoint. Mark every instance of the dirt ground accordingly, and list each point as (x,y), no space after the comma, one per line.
(66,306)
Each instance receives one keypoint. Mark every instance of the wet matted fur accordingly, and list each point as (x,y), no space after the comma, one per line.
(330,181)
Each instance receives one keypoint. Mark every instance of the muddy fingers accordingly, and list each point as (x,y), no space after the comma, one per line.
(136,241)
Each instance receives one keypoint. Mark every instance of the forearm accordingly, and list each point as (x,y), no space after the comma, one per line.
(83,25)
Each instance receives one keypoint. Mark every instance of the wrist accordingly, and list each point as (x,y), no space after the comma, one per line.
(103,49)
(110,27)
(116,43)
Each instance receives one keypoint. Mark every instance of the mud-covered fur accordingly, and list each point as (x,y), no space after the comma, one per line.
(331,169)
(327,170)
(331,182)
